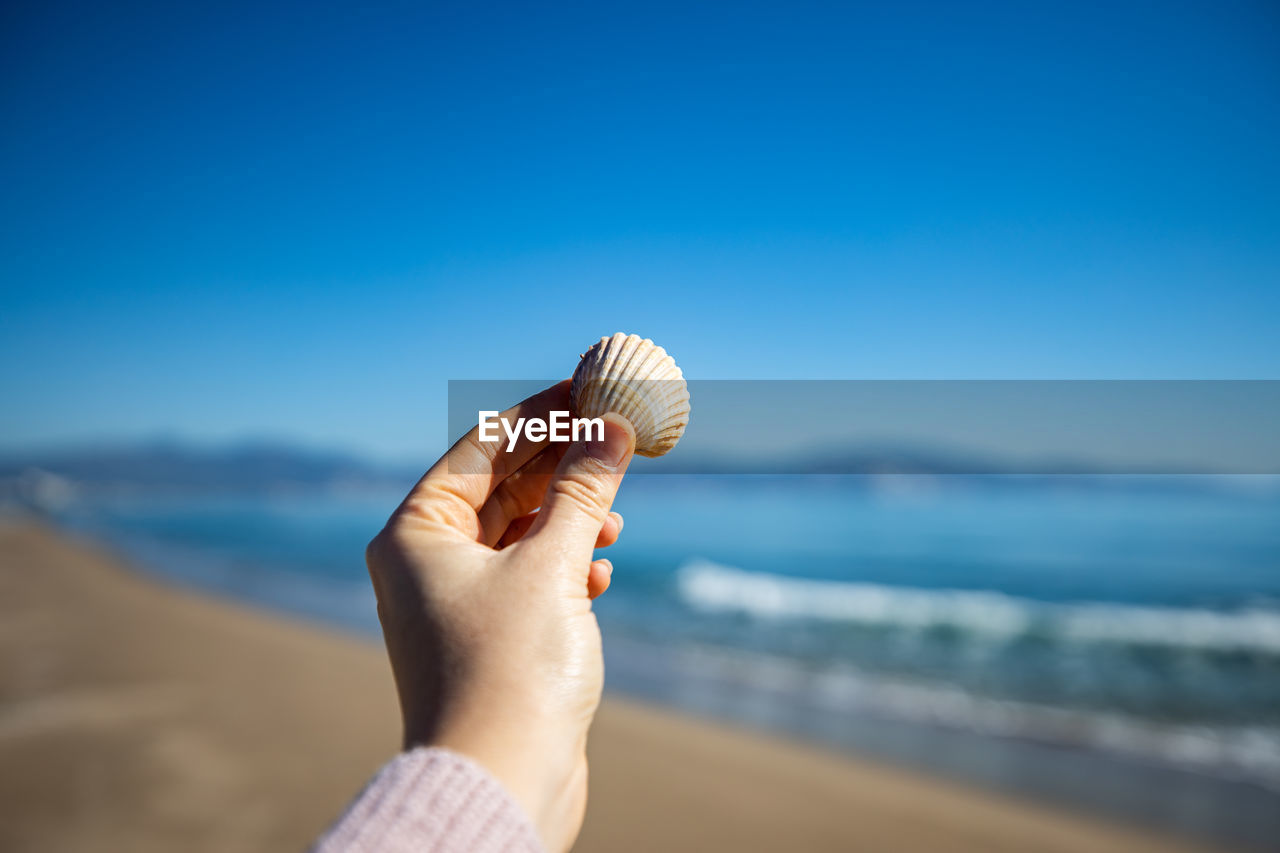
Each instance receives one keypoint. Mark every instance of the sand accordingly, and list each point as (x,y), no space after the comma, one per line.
(134,716)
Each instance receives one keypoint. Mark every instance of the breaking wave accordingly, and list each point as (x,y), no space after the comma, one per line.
(711,587)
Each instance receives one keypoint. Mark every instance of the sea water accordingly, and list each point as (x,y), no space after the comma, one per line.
(1112,643)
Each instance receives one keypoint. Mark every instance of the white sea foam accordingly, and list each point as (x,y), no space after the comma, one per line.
(712,587)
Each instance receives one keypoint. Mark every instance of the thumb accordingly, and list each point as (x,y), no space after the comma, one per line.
(582,490)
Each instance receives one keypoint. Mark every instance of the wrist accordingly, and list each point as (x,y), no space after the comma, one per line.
(535,762)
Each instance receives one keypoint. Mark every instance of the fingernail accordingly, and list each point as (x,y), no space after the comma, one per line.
(612,447)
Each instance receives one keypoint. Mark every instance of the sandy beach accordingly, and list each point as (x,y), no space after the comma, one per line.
(134,716)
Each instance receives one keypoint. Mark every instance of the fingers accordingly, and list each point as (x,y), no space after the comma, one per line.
(461,481)
(598,578)
(518,495)
(609,533)
(516,530)
(581,491)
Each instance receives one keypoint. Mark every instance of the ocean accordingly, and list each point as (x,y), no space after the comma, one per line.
(1110,643)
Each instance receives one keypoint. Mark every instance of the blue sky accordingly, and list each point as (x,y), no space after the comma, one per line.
(298,222)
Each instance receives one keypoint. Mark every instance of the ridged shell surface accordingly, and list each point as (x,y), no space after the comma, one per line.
(636,378)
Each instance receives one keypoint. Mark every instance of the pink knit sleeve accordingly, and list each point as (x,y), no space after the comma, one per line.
(431,799)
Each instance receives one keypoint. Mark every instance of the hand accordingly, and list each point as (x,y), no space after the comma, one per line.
(486,607)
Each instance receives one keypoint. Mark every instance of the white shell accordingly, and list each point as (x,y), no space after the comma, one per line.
(636,378)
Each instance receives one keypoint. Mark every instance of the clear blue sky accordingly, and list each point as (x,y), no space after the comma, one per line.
(299,222)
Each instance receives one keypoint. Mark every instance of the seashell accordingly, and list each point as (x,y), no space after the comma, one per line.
(636,378)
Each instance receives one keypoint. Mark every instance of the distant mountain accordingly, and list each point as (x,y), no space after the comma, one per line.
(53,478)
(877,460)
(842,460)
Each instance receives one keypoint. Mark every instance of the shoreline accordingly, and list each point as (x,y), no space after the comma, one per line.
(1102,765)
(140,716)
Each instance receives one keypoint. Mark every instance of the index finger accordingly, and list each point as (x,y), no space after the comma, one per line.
(467,474)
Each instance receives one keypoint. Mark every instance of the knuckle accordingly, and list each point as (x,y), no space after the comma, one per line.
(584,493)
(433,506)
(488,450)
(390,542)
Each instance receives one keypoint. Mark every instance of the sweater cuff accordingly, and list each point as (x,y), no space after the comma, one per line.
(432,799)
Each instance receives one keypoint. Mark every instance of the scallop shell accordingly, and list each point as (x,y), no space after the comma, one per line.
(636,378)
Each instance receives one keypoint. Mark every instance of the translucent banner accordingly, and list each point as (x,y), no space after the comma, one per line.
(948,426)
